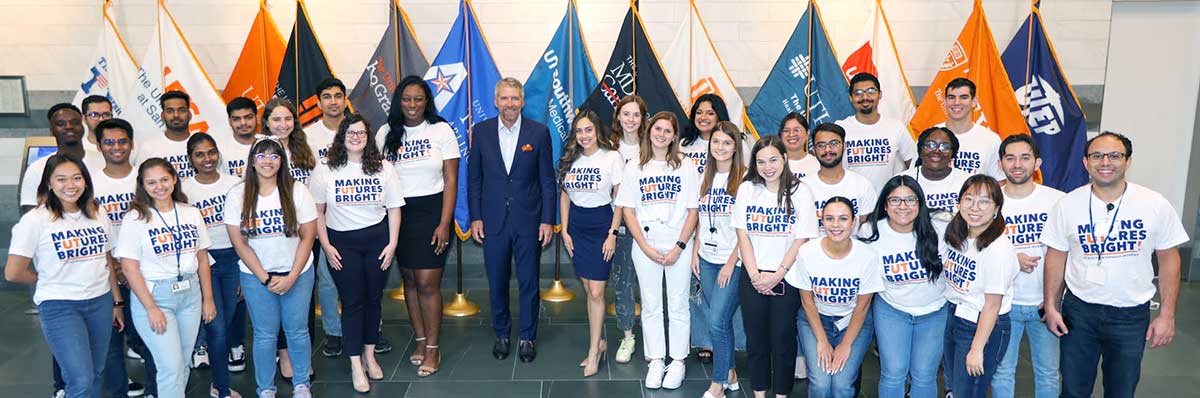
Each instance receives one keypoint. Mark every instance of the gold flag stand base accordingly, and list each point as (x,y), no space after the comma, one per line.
(637,310)
(397,293)
(460,307)
(318,309)
(557,293)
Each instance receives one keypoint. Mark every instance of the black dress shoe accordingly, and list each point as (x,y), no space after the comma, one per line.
(500,350)
(526,351)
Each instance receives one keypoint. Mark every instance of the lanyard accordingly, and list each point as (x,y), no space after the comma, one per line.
(1111,224)
(176,242)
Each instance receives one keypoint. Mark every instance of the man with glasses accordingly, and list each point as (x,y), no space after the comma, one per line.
(979,146)
(1111,228)
(96,109)
(833,179)
(877,146)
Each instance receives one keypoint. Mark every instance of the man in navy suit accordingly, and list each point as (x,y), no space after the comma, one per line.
(511,191)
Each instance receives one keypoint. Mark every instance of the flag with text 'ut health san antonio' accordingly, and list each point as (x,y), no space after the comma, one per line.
(561,81)
(398,55)
(112,73)
(807,78)
(463,78)
(1051,109)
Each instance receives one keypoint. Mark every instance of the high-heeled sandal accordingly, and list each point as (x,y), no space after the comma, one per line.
(600,355)
(367,370)
(426,371)
(416,359)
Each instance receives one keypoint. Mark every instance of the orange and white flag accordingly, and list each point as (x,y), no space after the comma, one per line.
(694,69)
(876,54)
(254,74)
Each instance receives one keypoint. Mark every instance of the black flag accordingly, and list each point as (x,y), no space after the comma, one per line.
(633,68)
(398,55)
(304,66)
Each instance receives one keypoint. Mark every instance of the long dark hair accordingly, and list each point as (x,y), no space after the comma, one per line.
(283,184)
(674,159)
(691,133)
(338,156)
(956,232)
(395,120)
(618,133)
(737,168)
(48,199)
(571,148)
(142,202)
(302,156)
(927,239)
(787,181)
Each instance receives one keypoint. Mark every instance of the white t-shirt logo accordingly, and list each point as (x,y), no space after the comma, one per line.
(582,179)
(904,268)
(960,270)
(868,152)
(769,221)
(163,239)
(1125,241)
(833,290)
(79,244)
(358,191)
(660,189)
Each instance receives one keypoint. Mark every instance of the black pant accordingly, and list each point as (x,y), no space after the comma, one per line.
(770,323)
(360,283)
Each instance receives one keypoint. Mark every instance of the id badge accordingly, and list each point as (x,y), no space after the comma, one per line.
(1096,275)
(181,286)
(843,322)
(967,313)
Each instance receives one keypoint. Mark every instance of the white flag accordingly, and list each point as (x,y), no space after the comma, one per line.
(694,69)
(113,73)
(875,53)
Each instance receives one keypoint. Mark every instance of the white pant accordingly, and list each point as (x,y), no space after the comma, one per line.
(650,280)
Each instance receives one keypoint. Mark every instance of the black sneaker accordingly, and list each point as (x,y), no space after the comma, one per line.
(333,346)
(135,389)
(383,346)
(237,358)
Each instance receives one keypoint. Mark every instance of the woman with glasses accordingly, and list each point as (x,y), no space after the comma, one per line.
(935,172)
(793,129)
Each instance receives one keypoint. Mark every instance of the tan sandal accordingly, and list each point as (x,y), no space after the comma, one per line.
(426,371)
(416,359)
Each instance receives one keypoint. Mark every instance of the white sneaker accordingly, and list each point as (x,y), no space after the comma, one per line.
(654,374)
(212,392)
(301,391)
(675,373)
(131,354)
(59,394)
(200,358)
(801,369)
(237,358)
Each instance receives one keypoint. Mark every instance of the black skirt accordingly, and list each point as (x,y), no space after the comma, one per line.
(419,217)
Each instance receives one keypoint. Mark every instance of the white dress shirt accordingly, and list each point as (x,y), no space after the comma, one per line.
(508,141)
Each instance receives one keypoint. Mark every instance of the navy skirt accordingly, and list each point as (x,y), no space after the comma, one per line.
(589,227)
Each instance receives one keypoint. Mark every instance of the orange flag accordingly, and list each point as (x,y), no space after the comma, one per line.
(974,56)
(254,75)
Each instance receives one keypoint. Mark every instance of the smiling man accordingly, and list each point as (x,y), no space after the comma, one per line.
(877,146)
(171,145)
(331,94)
(66,126)
(979,146)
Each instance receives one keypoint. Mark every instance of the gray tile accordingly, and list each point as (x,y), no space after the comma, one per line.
(594,388)
(475,389)
(346,389)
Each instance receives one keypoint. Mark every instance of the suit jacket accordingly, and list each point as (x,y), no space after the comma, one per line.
(523,197)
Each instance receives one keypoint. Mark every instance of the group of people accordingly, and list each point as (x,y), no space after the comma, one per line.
(777,245)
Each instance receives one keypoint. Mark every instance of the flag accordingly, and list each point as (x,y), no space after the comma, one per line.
(561,81)
(694,69)
(974,56)
(397,55)
(876,54)
(170,62)
(113,73)
(257,67)
(304,66)
(1051,109)
(806,78)
(463,80)
(633,68)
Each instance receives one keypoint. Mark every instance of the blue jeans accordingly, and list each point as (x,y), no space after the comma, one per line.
(268,311)
(622,281)
(821,383)
(719,306)
(698,308)
(115,375)
(172,349)
(77,332)
(1115,333)
(961,333)
(910,349)
(225,280)
(327,296)
(1043,350)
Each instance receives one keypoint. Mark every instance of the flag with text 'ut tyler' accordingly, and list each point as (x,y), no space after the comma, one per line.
(1051,108)
(257,67)
(398,55)
(876,54)
(113,73)
(560,81)
(304,66)
(463,79)
(633,68)
(974,56)
(695,69)
(807,78)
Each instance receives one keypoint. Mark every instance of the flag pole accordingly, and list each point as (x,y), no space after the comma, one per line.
(812,5)
(394,20)
(558,293)
(1029,51)
(461,307)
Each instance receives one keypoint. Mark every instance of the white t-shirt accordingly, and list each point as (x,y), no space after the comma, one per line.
(1122,276)
(877,151)
(630,151)
(590,181)
(658,193)
(970,274)
(354,199)
(852,186)
(33,175)
(163,247)
(234,154)
(836,284)
(906,284)
(978,152)
(768,226)
(174,152)
(941,194)
(319,139)
(113,195)
(68,253)
(1025,219)
(421,157)
(209,199)
(804,167)
(716,233)
(274,250)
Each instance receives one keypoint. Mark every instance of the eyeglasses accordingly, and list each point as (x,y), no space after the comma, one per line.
(981,204)
(266,156)
(938,146)
(895,201)
(867,91)
(99,115)
(828,144)
(360,133)
(1113,156)
(111,142)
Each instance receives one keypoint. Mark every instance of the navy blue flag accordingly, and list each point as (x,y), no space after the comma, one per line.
(1048,103)
(633,68)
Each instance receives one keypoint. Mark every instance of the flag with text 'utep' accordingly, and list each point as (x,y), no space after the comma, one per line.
(397,55)
(463,79)
(560,81)
(113,73)
(695,69)
(633,68)
(257,67)
(876,54)
(807,78)
(304,66)
(1050,106)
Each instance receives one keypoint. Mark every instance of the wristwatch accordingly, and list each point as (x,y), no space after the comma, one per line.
(682,246)
(268,280)
(615,231)
(118,303)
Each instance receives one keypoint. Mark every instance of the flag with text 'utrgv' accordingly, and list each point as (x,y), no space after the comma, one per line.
(695,69)
(257,67)
(463,79)
(560,81)
(304,66)
(634,68)
(974,56)
(397,55)
(806,78)
(876,54)
(113,73)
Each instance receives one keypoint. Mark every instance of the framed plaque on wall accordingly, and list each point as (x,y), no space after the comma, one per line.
(14,100)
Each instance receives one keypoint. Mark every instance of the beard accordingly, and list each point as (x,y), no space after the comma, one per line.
(831,164)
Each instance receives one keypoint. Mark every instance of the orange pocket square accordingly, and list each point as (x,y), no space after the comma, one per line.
(527,148)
